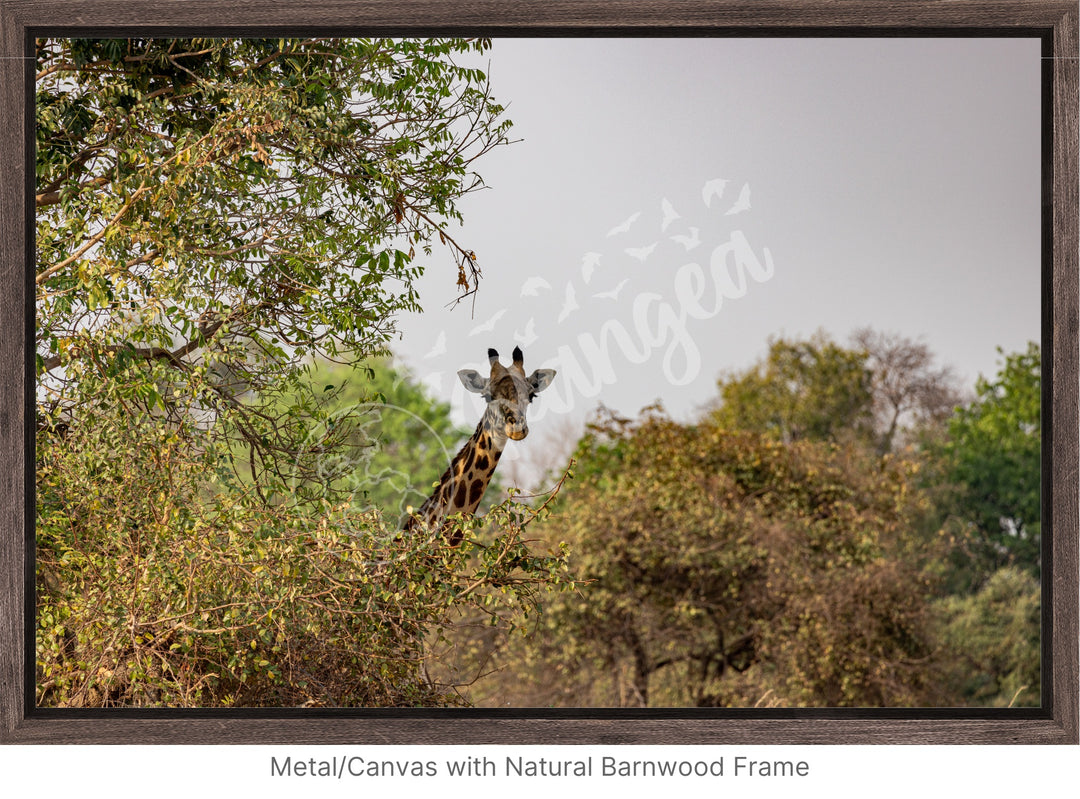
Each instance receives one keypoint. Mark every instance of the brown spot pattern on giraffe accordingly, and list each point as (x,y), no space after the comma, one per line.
(463,484)
(476,492)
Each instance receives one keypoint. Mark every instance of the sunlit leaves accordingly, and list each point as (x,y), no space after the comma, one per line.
(213,215)
(178,586)
(722,566)
(255,182)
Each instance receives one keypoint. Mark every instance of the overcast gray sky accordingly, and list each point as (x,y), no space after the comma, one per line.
(890,182)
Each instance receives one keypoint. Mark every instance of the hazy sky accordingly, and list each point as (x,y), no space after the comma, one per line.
(891,183)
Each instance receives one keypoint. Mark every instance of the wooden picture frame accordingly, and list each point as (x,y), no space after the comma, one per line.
(1053,21)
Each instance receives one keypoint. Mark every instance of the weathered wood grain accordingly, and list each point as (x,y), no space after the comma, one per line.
(419,16)
(1061,616)
(16,313)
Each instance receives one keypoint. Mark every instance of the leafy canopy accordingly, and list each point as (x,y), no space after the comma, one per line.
(992,639)
(994,452)
(214,217)
(721,567)
(214,213)
(400,438)
(810,389)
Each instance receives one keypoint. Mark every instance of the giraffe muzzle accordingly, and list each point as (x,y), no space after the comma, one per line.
(517,433)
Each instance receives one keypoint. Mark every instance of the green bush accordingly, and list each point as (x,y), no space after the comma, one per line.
(991,641)
(177,585)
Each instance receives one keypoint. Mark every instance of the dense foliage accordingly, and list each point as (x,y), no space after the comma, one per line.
(400,438)
(766,556)
(213,218)
(178,585)
(722,567)
(991,640)
(813,389)
(217,505)
(212,213)
(993,452)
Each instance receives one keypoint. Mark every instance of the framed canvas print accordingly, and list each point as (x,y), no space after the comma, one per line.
(638,373)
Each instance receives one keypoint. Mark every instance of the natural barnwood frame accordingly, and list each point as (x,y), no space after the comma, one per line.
(1053,21)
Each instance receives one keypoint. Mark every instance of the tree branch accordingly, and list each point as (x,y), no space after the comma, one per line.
(52,196)
(52,270)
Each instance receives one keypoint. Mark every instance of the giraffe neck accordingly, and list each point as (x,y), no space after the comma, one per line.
(463,484)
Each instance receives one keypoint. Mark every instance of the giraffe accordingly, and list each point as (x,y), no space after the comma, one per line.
(508,393)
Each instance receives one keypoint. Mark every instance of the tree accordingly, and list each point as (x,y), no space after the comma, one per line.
(721,567)
(214,217)
(991,639)
(884,389)
(163,580)
(909,391)
(993,453)
(811,389)
(401,438)
(213,213)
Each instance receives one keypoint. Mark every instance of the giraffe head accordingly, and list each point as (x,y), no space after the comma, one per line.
(508,392)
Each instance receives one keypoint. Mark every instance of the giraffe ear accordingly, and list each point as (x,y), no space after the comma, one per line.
(541,379)
(473,381)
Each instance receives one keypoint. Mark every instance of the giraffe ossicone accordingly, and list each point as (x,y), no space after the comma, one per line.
(508,392)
